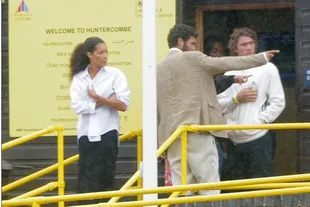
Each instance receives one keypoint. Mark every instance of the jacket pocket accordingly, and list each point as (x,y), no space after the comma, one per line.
(215,113)
(187,116)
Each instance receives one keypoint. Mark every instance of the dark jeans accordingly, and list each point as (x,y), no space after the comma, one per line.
(221,145)
(249,160)
(97,163)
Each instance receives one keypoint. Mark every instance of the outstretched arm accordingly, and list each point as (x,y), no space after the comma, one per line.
(220,65)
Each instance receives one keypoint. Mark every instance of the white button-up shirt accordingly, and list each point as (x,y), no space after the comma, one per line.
(93,121)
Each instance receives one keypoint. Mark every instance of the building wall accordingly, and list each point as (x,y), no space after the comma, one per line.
(4,72)
(303,83)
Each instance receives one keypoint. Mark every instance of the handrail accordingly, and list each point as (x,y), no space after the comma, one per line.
(61,162)
(47,187)
(173,195)
(268,186)
(30,137)
(206,128)
(170,140)
(37,174)
(127,185)
(220,127)
(171,189)
(130,135)
(208,198)
(60,156)
(253,187)
(194,187)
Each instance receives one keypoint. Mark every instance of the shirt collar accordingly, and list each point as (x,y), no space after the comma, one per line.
(175,49)
(85,72)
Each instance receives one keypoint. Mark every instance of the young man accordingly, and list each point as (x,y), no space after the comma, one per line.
(260,100)
(186,95)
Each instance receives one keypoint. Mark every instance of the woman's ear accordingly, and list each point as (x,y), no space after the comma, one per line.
(89,54)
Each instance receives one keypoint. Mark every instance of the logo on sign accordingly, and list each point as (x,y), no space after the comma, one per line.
(22,12)
(23,7)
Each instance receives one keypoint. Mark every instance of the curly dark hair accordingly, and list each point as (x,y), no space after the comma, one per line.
(210,41)
(79,59)
(180,31)
(237,33)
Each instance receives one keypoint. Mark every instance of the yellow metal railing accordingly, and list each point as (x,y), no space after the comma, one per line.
(60,184)
(37,174)
(273,182)
(48,187)
(62,163)
(274,185)
(182,131)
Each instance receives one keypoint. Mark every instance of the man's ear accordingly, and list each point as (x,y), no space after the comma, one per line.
(180,42)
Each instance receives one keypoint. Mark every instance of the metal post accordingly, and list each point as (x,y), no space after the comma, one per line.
(35,204)
(61,166)
(184,158)
(149,168)
(139,162)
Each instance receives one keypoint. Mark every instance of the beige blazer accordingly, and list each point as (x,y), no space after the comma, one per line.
(186,92)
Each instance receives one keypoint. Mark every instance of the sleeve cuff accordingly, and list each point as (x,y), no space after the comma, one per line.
(92,106)
(263,121)
(265,56)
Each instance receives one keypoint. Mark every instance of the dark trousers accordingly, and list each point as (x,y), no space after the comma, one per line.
(97,163)
(221,145)
(249,160)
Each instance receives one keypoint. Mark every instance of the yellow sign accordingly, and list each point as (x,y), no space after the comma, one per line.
(42,35)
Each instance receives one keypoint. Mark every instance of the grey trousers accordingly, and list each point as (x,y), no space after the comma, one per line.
(202,157)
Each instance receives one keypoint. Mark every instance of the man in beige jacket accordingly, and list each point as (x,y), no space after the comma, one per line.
(186,95)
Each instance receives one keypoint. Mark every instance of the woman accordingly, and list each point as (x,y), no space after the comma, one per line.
(98,92)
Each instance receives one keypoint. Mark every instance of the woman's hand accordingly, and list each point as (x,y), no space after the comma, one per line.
(92,94)
(111,101)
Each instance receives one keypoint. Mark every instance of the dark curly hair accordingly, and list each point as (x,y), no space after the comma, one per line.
(210,41)
(180,31)
(79,59)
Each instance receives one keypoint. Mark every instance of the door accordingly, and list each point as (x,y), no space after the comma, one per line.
(274,22)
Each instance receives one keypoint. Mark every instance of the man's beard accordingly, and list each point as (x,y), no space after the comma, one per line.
(185,48)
